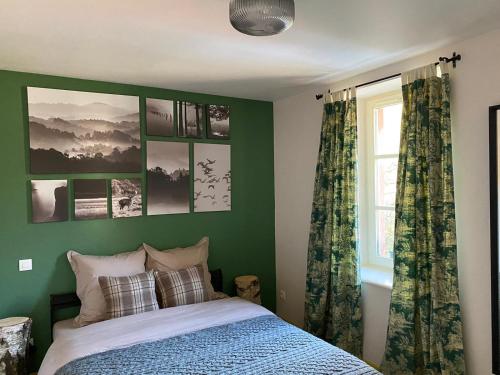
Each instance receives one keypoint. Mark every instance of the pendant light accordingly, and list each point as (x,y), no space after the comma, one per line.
(261,17)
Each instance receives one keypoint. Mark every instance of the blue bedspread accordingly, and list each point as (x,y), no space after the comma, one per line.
(263,345)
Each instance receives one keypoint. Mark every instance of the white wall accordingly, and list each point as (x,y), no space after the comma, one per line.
(475,86)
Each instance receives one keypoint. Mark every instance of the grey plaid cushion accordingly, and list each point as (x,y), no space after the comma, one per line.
(182,287)
(128,295)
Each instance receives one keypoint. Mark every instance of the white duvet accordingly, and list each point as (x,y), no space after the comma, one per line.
(150,326)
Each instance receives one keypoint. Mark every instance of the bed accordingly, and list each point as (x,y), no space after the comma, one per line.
(226,336)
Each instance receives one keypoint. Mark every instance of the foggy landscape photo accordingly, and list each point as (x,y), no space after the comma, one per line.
(159,117)
(91,199)
(80,132)
(190,120)
(218,121)
(126,197)
(212,177)
(49,200)
(168,177)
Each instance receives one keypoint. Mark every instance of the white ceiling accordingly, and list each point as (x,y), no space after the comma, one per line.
(190,45)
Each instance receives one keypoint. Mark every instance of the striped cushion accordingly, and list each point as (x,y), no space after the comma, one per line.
(128,295)
(182,287)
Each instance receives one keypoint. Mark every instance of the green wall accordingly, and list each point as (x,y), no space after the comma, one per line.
(241,241)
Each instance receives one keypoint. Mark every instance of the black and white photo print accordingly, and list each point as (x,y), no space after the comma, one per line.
(91,199)
(81,132)
(126,197)
(190,120)
(168,177)
(218,121)
(49,201)
(212,177)
(159,117)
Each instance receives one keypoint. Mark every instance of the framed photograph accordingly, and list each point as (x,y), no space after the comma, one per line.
(160,117)
(190,120)
(494,132)
(91,199)
(82,132)
(218,121)
(168,177)
(212,177)
(49,201)
(126,197)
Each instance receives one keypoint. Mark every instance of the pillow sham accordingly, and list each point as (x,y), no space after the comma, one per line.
(128,295)
(182,287)
(180,258)
(88,268)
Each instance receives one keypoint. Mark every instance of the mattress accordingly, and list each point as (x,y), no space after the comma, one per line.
(63,328)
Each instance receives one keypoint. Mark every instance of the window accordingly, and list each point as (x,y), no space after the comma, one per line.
(380,130)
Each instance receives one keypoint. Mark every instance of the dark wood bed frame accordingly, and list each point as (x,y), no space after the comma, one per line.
(66,300)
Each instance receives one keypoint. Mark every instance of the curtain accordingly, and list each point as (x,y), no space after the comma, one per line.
(333,287)
(425,328)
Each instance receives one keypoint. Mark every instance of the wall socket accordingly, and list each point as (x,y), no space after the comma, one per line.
(282,295)
(25,265)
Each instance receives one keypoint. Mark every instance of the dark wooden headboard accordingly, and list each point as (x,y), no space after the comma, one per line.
(67,300)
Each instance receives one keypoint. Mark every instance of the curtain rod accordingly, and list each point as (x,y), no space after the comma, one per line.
(452,59)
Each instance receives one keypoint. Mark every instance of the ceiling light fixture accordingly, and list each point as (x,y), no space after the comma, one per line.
(261,17)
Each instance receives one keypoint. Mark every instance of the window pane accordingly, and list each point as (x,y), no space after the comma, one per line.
(386,171)
(387,127)
(385,233)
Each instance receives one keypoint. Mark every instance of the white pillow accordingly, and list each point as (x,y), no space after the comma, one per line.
(180,258)
(88,268)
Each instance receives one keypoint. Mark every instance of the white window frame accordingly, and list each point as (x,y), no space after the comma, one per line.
(367,184)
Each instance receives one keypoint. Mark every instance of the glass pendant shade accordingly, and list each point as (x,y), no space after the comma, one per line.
(261,17)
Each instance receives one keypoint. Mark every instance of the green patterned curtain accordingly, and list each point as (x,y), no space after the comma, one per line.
(425,328)
(333,289)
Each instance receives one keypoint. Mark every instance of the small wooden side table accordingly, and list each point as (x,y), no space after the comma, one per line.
(14,339)
(248,287)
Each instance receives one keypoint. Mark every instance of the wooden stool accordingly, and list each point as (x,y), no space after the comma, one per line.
(248,287)
(14,339)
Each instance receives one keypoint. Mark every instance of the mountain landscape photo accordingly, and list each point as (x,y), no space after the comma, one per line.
(82,132)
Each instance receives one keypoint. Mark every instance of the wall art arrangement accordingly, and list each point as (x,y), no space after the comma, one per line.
(91,199)
(81,132)
(212,177)
(49,200)
(168,177)
(85,132)
(126,197)
(160,117)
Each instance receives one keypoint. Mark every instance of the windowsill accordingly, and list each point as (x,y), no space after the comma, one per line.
(376,276)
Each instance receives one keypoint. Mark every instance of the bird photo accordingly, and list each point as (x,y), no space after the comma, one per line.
(212,177)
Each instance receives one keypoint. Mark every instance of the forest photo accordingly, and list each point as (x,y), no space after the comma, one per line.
(168,177)
(126,197)
(218,121)
(190,120)
(82,132)
(159,117)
